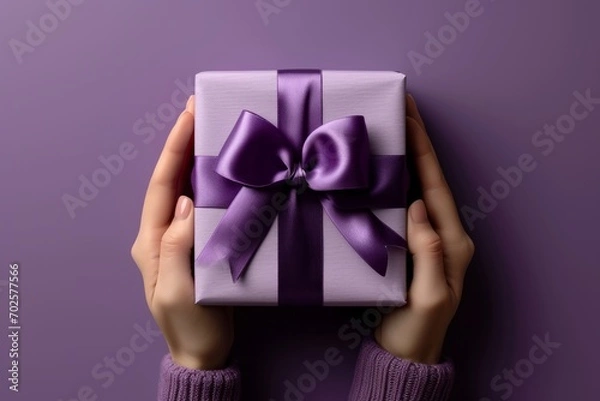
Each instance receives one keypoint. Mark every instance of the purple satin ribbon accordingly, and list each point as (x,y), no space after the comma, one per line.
(294,172)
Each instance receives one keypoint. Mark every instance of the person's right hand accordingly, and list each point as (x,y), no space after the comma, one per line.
(441,251)
(199,337)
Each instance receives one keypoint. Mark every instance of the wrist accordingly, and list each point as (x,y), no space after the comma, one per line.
(421,350)
(423,356)
(199,363)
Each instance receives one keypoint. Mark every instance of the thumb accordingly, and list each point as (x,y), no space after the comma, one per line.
(174,268)
(425,246)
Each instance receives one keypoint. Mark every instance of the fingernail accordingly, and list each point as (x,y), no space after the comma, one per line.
(189,106)
(418,212)
(183,208)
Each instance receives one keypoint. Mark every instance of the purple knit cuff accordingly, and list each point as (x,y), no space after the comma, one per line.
(178,383)
(380,376)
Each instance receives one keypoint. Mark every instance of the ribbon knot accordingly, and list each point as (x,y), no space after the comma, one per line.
(297,178)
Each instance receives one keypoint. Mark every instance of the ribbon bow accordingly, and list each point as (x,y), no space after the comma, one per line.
(334,157)
(258,167)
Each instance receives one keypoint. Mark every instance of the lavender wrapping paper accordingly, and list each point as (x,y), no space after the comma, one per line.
(347,279)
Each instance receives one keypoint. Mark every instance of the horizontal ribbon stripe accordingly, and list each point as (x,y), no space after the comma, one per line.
(386,189)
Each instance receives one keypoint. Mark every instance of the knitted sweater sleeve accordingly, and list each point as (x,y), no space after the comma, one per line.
(178,383)
(380,376)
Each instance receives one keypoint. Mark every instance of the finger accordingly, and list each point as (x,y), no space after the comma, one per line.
(456,268)
(436,193)
(412,110)
(174,273)
(146,258)
(425,245)
(164,183)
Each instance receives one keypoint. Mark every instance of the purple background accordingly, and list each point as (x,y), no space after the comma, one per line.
(78,94)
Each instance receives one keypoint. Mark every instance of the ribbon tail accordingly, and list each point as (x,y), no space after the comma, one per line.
(366,234)
(240,231)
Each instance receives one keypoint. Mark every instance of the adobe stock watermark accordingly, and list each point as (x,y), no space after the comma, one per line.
(350,334)
(544,142)
(267,8)
(437,43)
(36,32)
(112,165)
(505,382)
(107,371)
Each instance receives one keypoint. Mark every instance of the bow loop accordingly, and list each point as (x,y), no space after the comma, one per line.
(256,153)
(336,155)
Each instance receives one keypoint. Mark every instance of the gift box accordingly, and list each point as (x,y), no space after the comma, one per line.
(300,188)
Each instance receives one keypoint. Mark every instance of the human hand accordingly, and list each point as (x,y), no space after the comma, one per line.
(441,251)
(198,337)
